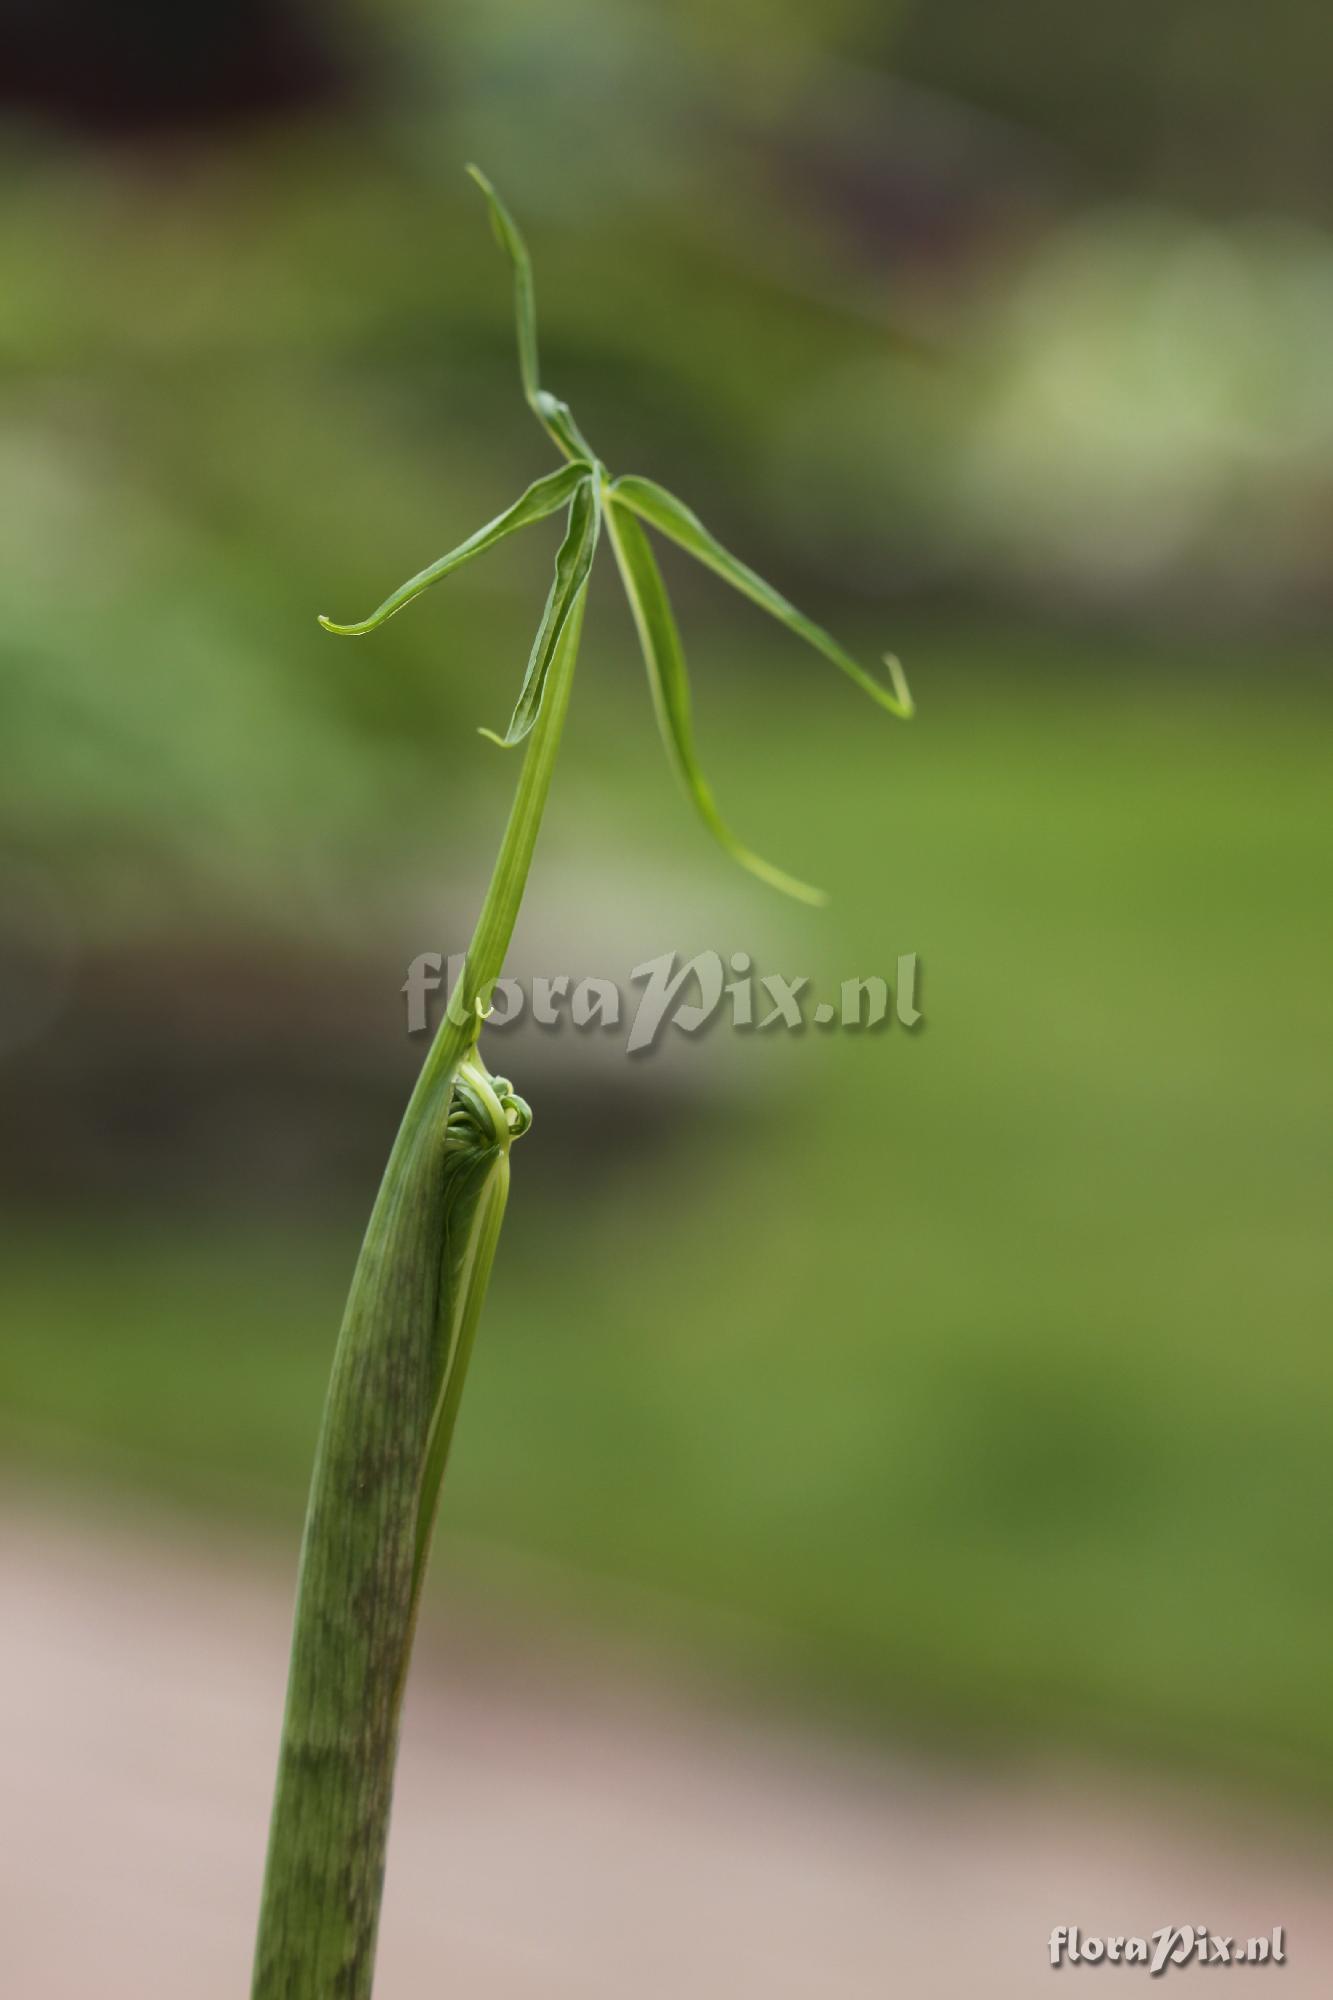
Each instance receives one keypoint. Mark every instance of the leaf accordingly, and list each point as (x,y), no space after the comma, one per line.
(484,1117)
(541,498)
(665,660)
(510,240)
(572,565)
(663,511)
(403,1352)
(556,417)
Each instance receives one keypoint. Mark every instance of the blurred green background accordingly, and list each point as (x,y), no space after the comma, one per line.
(976,1381)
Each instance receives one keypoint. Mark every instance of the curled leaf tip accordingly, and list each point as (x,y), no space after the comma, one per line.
(664,658)
(801,892)
(670,516)
(517,1111)
(764,871)
(343,631)
(500,742)
(903,694)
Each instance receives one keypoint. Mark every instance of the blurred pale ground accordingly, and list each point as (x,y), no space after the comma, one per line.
(950,1411)
(565,1825)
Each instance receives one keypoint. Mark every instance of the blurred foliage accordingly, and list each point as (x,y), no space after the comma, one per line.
(998,338)
(977,1377)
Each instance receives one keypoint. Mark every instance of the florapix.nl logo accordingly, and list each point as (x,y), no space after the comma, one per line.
(688,994)
(1165,1949)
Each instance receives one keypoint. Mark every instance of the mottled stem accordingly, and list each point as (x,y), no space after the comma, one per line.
(368,1519)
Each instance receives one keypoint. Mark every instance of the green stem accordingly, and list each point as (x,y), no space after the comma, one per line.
(388,1415)
(495,925)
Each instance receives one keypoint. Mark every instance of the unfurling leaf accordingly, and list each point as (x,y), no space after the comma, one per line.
(665,660)
(556,417)
(572,565)
(542,498)
(662,510)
